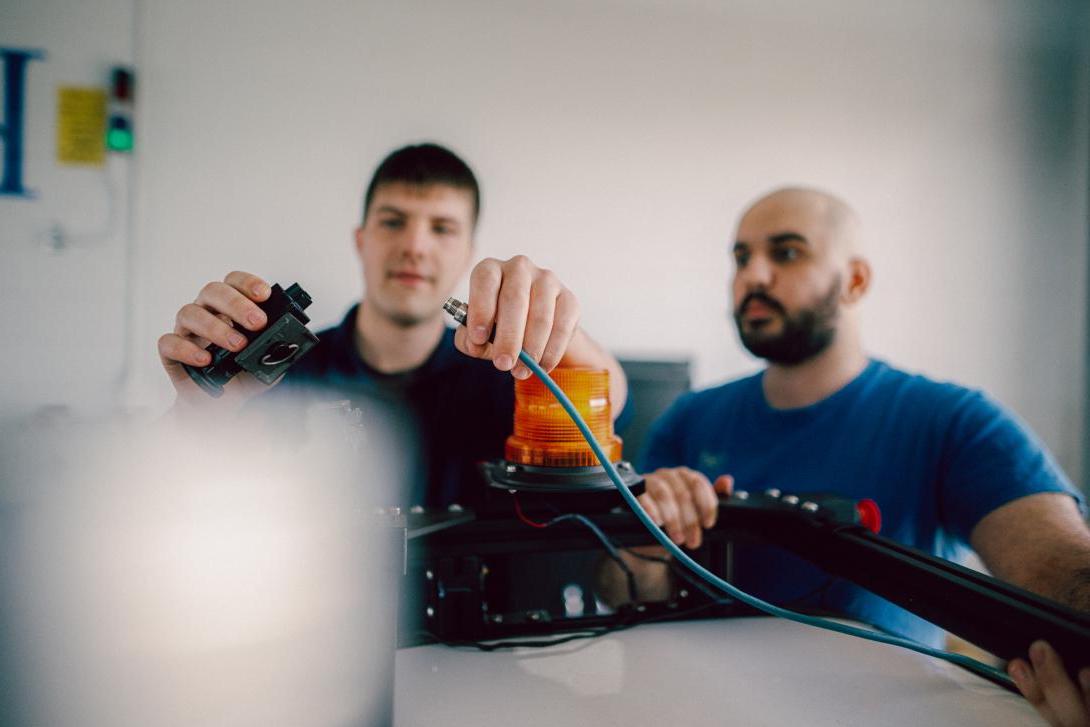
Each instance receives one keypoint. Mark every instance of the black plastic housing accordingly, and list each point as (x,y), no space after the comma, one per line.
(270,351)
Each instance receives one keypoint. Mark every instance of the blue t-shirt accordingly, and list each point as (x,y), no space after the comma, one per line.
(936,457)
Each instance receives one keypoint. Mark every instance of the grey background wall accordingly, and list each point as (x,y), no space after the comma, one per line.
(616,142)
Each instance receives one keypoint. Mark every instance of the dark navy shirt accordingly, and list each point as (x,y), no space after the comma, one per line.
(935,456)
(446,416)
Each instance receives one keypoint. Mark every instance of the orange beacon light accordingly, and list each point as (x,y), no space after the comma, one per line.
(545,436)
(546,452)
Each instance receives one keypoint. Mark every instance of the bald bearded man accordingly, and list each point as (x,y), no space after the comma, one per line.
(948,467)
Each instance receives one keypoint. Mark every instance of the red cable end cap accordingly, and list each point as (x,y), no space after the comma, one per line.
(870,516)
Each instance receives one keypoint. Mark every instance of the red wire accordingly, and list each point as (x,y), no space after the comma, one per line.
(522,515)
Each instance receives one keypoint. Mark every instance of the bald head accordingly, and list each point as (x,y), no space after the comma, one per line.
(799,273)
(826,218)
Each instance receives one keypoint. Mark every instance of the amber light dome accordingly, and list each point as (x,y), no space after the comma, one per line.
(545,436)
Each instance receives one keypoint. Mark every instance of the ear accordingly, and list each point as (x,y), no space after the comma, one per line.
(859,277)
(359,237)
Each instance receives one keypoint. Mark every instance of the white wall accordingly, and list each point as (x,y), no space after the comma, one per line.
(62,281)
(616,142)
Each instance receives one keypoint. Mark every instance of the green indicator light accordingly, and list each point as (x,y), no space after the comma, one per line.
(119,136)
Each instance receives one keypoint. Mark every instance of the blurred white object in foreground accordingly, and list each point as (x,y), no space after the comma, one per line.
(168,578)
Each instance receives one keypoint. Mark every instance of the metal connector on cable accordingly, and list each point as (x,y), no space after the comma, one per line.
(458,310)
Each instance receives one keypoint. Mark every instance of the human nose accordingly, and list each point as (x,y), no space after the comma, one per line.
(417,239)
(757,274)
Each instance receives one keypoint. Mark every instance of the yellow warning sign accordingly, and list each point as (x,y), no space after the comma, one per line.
(81,126)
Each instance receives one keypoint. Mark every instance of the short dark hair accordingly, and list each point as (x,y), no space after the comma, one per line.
(422,165)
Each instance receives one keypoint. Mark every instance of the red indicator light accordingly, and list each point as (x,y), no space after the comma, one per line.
(121,85)
(870,516)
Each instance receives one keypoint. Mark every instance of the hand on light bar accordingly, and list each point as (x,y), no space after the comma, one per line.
(683,502)
(1048,687)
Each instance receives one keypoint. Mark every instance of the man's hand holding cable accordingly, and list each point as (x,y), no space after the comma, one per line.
(530,310)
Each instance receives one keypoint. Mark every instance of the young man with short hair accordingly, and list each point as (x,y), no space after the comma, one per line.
(445,390)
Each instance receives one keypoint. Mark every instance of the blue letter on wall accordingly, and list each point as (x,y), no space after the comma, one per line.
(11,131)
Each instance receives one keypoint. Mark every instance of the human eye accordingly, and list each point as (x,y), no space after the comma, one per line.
(785,254)
(392,223)
(445,226)
(741,257)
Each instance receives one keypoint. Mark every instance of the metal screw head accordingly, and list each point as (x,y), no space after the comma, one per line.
(430,611)
(791,500)
(429,575)
(498,618)
(535,616)
(741,495)
(417,509)
(809,506)
(773,492)
(683,593)
(511,469)
(454,507)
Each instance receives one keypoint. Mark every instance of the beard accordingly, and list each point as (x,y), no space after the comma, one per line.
(804,334)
